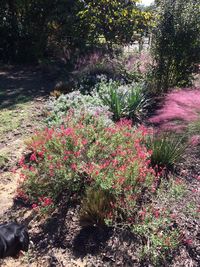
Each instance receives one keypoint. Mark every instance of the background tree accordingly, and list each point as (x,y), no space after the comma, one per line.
(29,27)
(176,43)
(115,20)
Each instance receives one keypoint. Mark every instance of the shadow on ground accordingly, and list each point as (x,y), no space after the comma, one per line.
(19,84)
(61,240)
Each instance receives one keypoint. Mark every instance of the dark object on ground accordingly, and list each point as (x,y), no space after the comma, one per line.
(13,239)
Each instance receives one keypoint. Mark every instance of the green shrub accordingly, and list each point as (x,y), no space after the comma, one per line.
(57,109)
(107,100)
(109,170)
(158,232)
(175,44)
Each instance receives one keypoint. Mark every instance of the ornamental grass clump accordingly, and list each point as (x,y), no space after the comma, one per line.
(167,151)
(96,207)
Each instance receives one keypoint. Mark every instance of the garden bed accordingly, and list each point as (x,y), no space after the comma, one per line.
(59,237)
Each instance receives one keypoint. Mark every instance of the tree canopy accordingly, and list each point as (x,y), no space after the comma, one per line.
(29,27)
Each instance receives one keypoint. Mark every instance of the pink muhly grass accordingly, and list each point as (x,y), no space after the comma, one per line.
(91,59)
(195,140)
(182,106)
(141,61)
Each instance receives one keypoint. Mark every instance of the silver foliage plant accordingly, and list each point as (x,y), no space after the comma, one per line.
(80,103)
(109,100)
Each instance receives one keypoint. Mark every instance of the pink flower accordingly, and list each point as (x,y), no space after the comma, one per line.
(173,216)
(68,131)
(194,140)
(33,157)
(156,213)
(198,178)
(188,241)
(182,106)
(14,170)
(194,190)
(74,166)
(34,206)
(21,161)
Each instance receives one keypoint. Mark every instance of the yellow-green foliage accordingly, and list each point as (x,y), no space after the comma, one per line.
(95,207)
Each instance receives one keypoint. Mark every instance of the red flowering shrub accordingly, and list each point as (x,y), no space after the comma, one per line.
(84,153)
(108,168)
(119,163)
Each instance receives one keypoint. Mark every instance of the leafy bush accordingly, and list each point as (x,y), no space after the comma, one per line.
(107,99)
(175,44)
(121,166)
(93,105)
(157,222)
(57,157)
(157,228)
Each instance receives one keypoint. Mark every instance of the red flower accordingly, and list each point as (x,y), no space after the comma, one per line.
(47,202)
(49,157)
(68,131)
(32,169)
(142,214)
(84,142)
